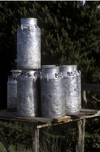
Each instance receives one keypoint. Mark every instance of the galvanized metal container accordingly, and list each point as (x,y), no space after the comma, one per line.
(79,83)
(27,94)
(52,93)
(66,68)
(47,66)
(75,67)
(12,90)
(71,89)
(29,44)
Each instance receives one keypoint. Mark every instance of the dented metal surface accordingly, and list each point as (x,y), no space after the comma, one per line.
(12,90)
(29,44)
(27,94)
(72,92)
(52,93)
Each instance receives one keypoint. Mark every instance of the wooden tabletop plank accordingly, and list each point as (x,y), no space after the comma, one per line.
(84,113)
(7,114)
(88,113)
(88,110)
(91,87)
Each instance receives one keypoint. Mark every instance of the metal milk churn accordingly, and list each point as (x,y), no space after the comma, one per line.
(47,66)
(52,93)
(71,89)
(12,90)
(79,83)
(27,94)
(29,44)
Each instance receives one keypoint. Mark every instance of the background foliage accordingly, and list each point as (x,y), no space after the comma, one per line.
(70,34)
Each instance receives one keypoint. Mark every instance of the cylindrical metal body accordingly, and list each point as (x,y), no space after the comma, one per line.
(27,94)
(28,44)
(66,68)
(12,90)
(75,67)
(71,89)
(79,83)
(47,66)
(52,93)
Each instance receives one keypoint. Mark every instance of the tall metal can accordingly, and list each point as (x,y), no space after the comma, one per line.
(29,44)
(52,93)
(12,90)
(47,66)
(27,94)
(71,89)
(66,68)
(79,83)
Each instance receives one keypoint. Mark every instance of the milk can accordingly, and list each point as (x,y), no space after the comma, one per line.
(71,89)
(29,44)
(47,66)
(52,93)
(27,94)
(79,83)
(12,90)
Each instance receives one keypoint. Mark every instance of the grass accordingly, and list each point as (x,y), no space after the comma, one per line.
(20,148)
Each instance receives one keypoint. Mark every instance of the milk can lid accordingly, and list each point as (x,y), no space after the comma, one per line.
(31,21)
(16,71)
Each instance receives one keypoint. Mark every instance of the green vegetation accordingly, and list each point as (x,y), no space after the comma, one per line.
(57,138)
(20,148)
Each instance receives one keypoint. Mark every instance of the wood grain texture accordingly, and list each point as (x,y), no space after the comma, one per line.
(45,122)
(62,119)
(39,122)
(12,116)
(35,139)
(80,132)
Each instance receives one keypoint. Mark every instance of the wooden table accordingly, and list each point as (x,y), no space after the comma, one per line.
(39,122)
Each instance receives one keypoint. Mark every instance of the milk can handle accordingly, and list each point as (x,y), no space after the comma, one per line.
(9,77)
(35,78)
(28,25)
(79,71)
(70,73)
(12,78)
(29,75)
(23,74)
(58,75)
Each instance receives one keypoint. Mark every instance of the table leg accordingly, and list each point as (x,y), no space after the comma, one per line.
(35,138)
(80,132)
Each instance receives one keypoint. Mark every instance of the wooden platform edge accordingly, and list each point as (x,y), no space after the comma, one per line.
(62,119)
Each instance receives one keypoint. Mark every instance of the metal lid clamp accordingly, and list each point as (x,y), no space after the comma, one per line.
(28,25)
(35,78)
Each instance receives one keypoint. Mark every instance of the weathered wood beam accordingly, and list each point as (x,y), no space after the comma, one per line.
(35,138)
(91,87)
(80,131)
(2,139)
